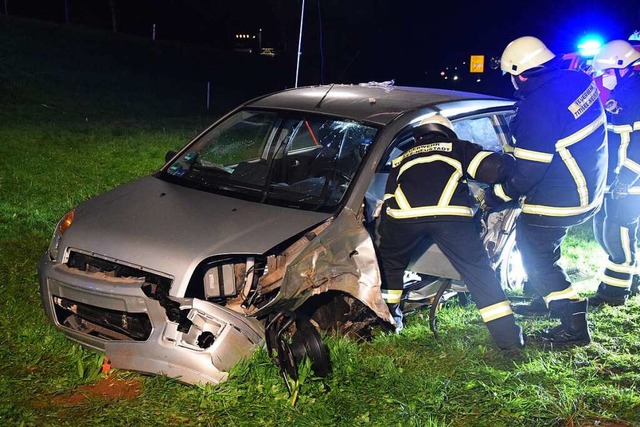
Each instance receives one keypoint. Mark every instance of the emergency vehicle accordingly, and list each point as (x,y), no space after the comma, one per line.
(581,59)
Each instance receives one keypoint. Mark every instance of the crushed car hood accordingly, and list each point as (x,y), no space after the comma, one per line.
(164,227)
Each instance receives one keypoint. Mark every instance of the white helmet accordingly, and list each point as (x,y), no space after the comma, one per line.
(615,54)
(434,123)
(523,54)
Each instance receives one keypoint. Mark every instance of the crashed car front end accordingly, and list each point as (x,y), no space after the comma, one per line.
(127,312)
(179,273)
(188,339)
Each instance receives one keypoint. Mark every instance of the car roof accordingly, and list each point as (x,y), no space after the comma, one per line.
(376,103)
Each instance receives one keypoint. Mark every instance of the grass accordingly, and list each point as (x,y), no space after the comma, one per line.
(50,161)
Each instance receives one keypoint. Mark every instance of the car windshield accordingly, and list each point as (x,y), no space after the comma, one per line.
(305,162)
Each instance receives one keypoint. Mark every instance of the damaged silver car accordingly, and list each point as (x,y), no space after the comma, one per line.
(260,231)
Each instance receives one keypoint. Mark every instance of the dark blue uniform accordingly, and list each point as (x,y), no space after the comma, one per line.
(427,197)
(615,226)
(560,147)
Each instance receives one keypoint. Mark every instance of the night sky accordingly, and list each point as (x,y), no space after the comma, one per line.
(355,40)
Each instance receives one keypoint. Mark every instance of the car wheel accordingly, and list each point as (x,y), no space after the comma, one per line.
(510,270)
(340,314)
(290,339)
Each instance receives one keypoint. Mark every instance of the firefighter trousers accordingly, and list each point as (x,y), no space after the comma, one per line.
(615,227)
(540,249)
(460,242)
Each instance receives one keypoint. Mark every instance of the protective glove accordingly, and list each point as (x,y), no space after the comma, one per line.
(489,200)
(479,196)
(618,189)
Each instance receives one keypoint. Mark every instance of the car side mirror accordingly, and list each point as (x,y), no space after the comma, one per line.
(170,155)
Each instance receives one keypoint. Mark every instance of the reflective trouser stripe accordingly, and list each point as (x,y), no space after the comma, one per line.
(568,293)
(391,296)
(618,280)
(620,275)
(495,311)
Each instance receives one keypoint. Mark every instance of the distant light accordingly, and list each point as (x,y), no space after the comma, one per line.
(589,45)
(455,77)
(478,80)
(442,73)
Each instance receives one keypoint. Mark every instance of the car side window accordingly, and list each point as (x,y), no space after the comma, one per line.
(401,143)
(305,136)
(483,131)
(243,138)
(506,120)
(489,131)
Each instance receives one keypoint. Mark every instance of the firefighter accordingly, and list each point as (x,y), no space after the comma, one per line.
(615,225)
(560,147)
(427,197)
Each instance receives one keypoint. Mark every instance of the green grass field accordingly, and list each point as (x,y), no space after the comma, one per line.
(81,112)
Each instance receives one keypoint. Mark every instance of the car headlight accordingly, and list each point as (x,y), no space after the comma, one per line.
(61,228)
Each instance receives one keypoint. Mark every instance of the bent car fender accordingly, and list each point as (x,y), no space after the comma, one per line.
(341,258)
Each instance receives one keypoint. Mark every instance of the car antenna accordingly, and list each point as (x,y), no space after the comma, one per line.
(325,95)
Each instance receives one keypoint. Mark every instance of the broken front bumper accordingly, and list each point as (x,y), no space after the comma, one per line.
(199,344)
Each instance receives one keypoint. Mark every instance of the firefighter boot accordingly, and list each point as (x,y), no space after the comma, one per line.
(635,285)
(608,295)
(537,307)
(396,312)
(573,328)
(528,289)
(507,335)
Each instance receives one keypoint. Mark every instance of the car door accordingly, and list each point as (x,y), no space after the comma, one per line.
(488,130)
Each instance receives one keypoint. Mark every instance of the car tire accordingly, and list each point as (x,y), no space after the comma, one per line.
(510,270)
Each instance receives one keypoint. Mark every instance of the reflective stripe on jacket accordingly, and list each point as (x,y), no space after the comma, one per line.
(429,181)
(561,149)
(624,132)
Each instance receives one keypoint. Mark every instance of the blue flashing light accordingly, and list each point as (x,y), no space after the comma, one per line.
(590,45)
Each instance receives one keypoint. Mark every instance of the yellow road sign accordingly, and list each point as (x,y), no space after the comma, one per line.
(477,64)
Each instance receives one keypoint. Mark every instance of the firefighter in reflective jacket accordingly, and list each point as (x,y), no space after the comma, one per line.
(616,224)
(427,196)
(560,147)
